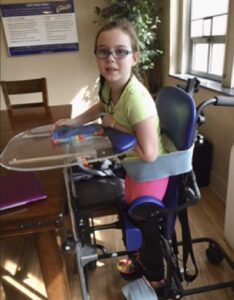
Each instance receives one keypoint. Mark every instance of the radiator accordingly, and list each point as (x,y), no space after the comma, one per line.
(229,214)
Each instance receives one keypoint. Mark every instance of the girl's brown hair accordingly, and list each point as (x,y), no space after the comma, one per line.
(126,27)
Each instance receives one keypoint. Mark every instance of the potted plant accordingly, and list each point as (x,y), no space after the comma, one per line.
(143,15)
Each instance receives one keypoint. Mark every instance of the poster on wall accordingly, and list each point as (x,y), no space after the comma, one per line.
(39,28)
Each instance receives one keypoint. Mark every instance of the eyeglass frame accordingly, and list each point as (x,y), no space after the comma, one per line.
(112,52)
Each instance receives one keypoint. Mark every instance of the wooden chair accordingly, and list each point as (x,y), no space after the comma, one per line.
(37,85)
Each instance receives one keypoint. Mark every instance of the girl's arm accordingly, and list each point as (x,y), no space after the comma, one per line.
(147,140)
(89,115)
(109,121)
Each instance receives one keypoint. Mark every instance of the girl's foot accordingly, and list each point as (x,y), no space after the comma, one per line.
(126,266)
(156,285)
(129,269)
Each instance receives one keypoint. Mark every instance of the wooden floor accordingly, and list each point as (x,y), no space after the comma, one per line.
(20,272)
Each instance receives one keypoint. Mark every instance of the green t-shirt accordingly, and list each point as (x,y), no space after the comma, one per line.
(134,105)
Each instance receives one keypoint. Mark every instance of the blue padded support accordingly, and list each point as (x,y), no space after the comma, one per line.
(132,234)
(121,141)
(145,200)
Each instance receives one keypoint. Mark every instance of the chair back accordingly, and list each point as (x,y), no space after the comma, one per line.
(177,114)
(38,85)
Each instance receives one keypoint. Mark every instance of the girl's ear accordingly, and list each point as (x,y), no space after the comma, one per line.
(136,57)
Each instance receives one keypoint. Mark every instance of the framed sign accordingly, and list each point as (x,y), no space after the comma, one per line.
(38,28)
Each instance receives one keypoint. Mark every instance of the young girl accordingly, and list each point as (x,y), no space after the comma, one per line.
(128,107)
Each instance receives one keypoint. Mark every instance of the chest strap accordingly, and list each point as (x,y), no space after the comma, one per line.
(166,165)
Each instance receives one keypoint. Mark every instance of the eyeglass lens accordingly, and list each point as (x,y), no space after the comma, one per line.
(116,53)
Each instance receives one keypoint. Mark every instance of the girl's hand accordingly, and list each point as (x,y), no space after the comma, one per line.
(107,120)
(64,122)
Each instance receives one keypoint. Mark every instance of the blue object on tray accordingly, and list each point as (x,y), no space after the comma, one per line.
(67,134)
(121,141)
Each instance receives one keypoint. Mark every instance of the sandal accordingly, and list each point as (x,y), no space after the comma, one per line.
(129,269)
(126,266)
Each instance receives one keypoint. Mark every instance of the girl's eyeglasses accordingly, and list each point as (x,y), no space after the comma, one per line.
(116,53)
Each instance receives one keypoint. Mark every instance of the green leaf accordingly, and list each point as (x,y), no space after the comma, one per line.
(143,15)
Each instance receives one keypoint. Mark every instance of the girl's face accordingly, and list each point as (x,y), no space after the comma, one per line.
(116,70)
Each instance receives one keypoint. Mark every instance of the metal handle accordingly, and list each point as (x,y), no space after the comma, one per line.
(224,101)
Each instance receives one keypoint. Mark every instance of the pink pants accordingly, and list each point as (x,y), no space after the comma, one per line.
(155,188)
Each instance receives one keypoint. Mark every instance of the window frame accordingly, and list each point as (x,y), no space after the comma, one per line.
(181,51)
(206,39)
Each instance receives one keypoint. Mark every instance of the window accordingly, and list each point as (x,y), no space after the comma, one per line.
(208,27)
(202,42)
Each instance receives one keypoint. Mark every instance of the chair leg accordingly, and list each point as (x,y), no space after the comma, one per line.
(84,255)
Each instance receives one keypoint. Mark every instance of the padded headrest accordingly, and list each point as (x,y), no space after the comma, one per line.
(177,114)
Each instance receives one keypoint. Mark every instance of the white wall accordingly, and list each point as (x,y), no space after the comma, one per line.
(71,76)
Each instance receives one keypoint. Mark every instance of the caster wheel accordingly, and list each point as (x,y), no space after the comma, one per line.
(214,255)
(68,245)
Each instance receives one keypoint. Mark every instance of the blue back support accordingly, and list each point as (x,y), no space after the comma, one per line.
(177,114)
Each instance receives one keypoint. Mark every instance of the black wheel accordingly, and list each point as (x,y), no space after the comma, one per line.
(69,245)
(214,255)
